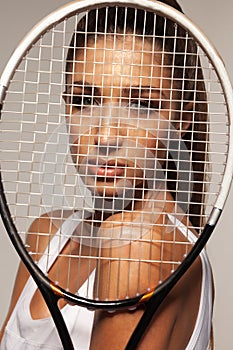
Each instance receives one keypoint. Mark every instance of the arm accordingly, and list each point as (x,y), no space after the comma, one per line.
(175,319)
(171,327)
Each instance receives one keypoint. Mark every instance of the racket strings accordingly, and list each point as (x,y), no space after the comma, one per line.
(104,136)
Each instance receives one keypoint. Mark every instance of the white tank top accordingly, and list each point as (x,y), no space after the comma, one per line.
(24,333)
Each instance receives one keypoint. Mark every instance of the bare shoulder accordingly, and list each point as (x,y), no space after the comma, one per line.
(42,230)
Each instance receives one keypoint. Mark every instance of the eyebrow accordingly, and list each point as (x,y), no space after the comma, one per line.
(85,86)
(132,91)
(140,90)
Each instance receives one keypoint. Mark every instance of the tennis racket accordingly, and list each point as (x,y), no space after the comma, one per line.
(115,117)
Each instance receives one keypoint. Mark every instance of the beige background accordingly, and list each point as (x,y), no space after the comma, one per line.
(215,18)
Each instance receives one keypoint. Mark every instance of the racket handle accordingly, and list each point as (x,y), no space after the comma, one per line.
(63,332)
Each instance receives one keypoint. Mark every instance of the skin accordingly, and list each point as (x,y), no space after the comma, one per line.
(174,322)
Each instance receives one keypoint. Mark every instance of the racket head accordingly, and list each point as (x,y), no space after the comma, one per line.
(41,187)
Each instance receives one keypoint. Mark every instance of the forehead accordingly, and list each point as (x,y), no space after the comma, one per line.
(128,58)
(117,45)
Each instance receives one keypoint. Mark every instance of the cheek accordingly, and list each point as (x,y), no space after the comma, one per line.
(154,147)
(81,148)
(73,134)
(73,129)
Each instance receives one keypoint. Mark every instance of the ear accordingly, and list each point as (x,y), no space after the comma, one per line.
(186,117)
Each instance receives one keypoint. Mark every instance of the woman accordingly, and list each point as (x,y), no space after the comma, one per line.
(133,90)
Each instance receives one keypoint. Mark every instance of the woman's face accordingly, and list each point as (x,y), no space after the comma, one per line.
(119,110)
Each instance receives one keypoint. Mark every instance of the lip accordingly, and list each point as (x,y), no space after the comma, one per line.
(110,169)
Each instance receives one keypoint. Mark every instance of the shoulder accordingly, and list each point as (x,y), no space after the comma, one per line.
(43,229)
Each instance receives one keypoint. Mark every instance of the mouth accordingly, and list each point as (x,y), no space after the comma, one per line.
(107,171)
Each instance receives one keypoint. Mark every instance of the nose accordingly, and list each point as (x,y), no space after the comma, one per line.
(109,139)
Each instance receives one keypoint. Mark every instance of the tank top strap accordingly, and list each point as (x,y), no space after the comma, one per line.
(183,229)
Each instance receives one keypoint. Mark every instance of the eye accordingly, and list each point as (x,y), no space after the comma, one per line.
(140,104)
(144,105)
(80,101)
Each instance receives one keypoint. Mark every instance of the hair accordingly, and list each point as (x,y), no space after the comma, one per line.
(114,20)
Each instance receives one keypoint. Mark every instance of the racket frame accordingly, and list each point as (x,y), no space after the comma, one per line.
(53,293)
